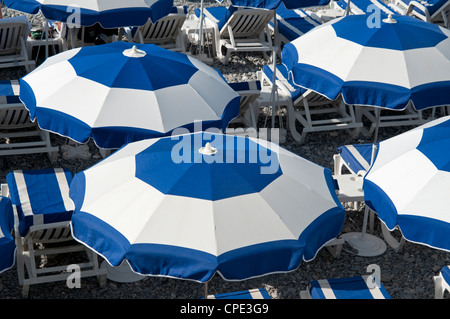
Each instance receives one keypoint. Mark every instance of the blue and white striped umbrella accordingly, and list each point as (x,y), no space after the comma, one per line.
(401,60)
(274,4)
(109,13)
(183,208)
(117,93)
(408,184)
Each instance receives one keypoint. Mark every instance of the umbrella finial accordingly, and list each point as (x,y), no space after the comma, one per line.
(134,52)
(208,149)
(389,19)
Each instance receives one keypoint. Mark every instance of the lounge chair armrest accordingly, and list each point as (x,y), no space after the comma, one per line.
(421,7)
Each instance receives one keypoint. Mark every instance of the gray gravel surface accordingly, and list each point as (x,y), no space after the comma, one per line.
(406,275)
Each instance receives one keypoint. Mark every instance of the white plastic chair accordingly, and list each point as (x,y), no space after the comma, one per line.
(388,118)
(239,30)
(22,136)
(434,11)
(13,43)
(257,293)
(249,92)
(344,288)
(165,32)
(357,159)
(43,210)
(442,283)
(313,111)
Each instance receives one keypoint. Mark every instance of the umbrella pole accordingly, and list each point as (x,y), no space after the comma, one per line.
(348,9)
(372,158)
(200,30)
(205,290)
(46,29)
(367,245)
(274,63)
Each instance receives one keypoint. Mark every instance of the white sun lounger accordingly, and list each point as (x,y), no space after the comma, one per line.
(21,136)
(238,30)
(43,211)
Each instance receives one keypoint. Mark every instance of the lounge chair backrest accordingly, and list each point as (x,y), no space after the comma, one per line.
(40,196)
(363,6)
(294,23)
(13,33)
(13,114)
(247,90)
(247,22)
(43,211)
(164,30)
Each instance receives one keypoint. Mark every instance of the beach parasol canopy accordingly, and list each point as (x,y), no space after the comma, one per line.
(402,60)
(195,204)
(118,93)
(408,184)
(274,4)
(388,65)
(109,13)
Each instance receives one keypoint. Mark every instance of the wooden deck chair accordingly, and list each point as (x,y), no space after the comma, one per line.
(166,32)
(442,283)
(19,134)
(292,24)
(313,111)
(344,288)
(13,43)
(357,159)
(434,11)
(239,30)
(43,210)
(7,244)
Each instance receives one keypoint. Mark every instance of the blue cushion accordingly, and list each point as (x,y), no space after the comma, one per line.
(446,274)
(41,196)
(364,4)
(282,73)
(357,156)
(291,24)
(219,15)
(7,244)
(244,294)
(245,86)
(433,6)
(346,288)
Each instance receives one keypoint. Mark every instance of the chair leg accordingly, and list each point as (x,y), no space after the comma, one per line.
(438,287)
(395,244)
(25,291)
